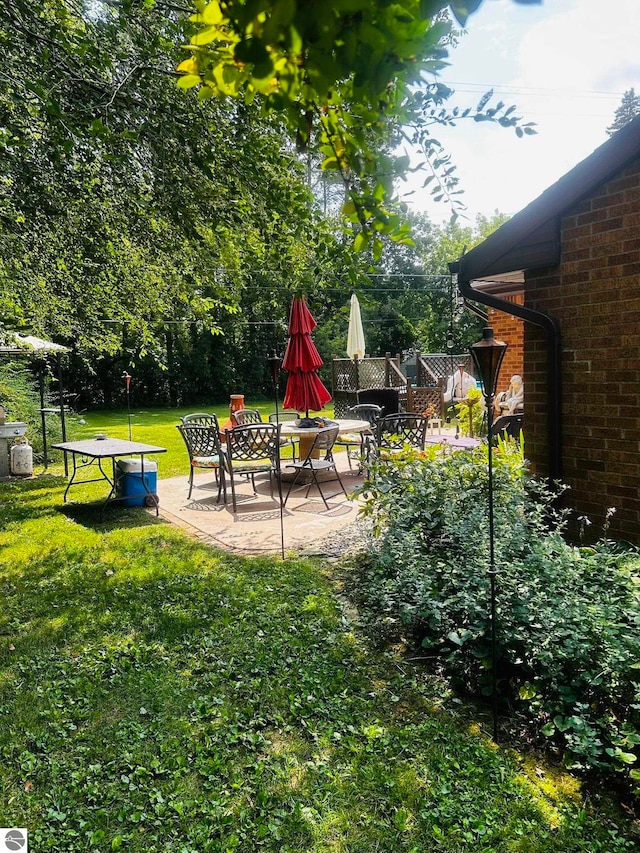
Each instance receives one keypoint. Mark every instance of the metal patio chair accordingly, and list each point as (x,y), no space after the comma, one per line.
(360,440)
(396,431)
(243,417)
(205,452)
(253,449)
(314,464)
(202,418)
(288,441)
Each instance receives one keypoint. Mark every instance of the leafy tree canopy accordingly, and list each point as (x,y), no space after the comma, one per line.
(126,208)
(357,72)
(409,302)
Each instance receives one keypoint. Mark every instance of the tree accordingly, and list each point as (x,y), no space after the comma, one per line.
(629,108)
(135,222)
(409,302)
(353,71)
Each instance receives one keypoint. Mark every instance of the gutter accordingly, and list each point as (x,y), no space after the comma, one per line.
(551,328)
(477,311)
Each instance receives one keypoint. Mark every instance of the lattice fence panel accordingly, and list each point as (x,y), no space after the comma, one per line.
(371,373)
(343,400)
(425,396)
(441,365)
(344,375)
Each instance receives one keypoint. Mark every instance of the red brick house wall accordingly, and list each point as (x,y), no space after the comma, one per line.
(509,329)
(594,293)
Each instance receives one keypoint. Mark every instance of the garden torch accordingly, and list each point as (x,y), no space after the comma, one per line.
(127,383)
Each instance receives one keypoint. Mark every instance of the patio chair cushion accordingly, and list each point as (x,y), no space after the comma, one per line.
(206,461)
(349,438)
(254,466)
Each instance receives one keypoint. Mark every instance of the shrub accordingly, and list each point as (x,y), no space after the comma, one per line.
(20,398)
(568,619)
(478,420)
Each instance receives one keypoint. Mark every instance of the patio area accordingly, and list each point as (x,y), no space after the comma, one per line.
(255,528)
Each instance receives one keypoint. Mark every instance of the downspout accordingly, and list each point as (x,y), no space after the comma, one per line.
(551,328)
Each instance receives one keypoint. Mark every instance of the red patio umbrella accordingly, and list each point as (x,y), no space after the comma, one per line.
(305,390)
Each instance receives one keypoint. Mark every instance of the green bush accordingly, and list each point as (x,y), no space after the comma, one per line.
(478,420)
(20,398)
(568,619)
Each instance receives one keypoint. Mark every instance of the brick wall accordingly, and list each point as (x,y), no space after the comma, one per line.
(595,295)
(509,329)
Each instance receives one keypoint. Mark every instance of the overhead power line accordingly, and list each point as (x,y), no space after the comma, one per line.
(500,88)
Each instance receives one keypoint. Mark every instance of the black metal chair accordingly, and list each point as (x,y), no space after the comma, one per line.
(242,417)
(203,418)
(510,424)
(396,431)
(361,441)
(315,463)
(205,452)
(288,441)
(253,449)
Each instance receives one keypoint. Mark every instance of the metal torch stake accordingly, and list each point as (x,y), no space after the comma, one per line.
(492,578)
(127,382)
(274,363)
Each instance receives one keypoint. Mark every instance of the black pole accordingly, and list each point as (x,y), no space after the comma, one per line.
(127,382)
(63,423)
(492,576)
(43,417)
(488,355)
(274,364)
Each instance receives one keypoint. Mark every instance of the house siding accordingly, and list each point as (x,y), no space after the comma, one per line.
(594,293)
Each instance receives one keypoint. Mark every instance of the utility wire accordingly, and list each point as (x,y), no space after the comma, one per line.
(520,90)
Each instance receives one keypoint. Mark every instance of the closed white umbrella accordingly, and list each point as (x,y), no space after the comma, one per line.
(355,336)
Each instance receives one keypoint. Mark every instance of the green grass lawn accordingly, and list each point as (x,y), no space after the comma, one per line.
(153,426)
(159,695)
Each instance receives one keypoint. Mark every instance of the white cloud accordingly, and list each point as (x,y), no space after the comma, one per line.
(565,64)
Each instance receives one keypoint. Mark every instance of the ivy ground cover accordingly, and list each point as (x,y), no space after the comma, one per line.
(158,695)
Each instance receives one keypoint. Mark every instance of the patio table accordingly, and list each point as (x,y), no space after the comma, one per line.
(91,452)
(307,435)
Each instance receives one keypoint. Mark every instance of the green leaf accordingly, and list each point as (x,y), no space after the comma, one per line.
(208,35)
(360,242)
(188,81)
(454,637)
(212,13)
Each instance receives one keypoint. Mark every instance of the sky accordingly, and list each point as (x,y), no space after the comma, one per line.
(565,64)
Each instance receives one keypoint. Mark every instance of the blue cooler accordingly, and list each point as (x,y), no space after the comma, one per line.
(129,482)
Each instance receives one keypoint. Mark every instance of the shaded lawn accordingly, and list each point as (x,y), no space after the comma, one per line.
(158,695)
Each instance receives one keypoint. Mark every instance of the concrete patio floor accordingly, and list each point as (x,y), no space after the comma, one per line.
(255,527)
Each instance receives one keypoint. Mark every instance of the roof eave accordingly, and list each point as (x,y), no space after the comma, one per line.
(531,238)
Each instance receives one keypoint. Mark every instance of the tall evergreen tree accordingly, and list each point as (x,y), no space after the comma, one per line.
(629,108)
